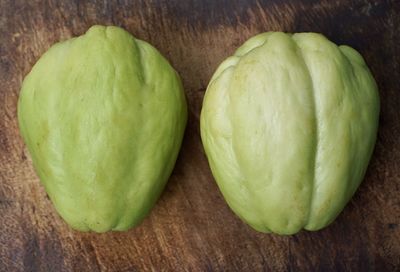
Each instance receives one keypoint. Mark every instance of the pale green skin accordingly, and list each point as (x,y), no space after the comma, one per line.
(289,124)
(103,116)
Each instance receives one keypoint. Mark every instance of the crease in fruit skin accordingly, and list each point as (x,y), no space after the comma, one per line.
(117,113)
(316,133)
(215,133)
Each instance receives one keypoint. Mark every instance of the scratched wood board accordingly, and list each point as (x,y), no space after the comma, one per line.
(191,228)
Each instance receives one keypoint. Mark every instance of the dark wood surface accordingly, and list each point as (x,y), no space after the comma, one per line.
(191,228)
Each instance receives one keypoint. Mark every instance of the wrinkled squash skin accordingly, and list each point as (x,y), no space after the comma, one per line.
(103,116)
(289,124)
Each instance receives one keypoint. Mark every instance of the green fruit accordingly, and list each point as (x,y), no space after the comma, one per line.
(289,124)
(103,116)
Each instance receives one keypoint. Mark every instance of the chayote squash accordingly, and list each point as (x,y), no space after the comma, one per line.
(103,116)
(288,124)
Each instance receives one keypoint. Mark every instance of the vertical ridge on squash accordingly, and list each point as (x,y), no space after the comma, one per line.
(316,125)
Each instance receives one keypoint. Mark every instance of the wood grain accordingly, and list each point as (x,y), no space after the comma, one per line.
(191,228)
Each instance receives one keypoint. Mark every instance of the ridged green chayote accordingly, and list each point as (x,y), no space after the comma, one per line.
(103,116)
(289,123)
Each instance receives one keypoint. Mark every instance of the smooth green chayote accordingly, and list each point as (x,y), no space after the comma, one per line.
(103,116)
(289,123)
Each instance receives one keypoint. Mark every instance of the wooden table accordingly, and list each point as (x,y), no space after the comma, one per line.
(191,228)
